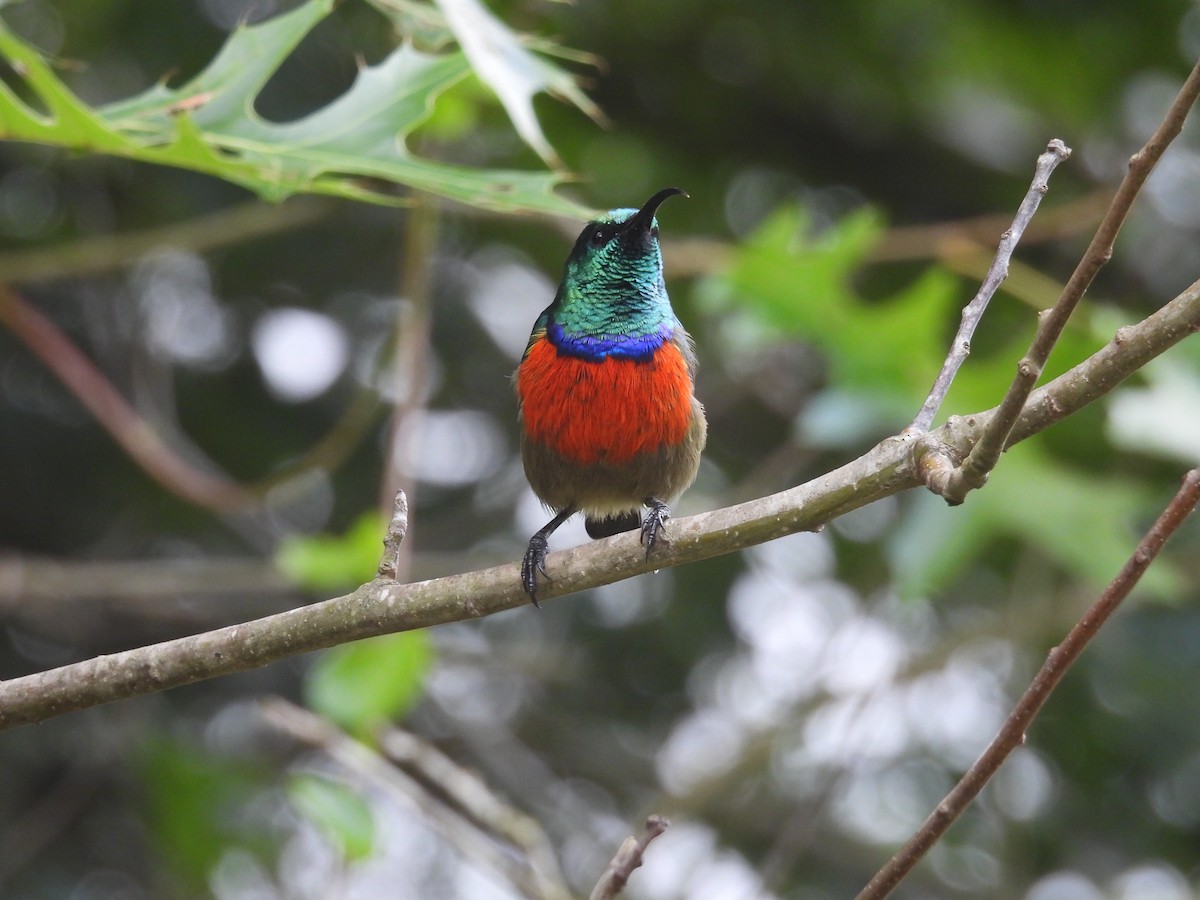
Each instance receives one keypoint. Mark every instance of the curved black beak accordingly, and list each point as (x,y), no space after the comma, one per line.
(644,217)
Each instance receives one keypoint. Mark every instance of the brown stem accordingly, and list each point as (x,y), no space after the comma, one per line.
(113,412)
(382,607)
(986,453)
(488,839)
(105,253)
(145,446)
(629,856)
(689,257)
(1055,153)
(410,355)
(1058,663)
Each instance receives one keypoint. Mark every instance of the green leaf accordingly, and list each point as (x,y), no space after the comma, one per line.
(329,562)
(354,147)
(513,72)
(890,349)
(1087,524)
(195,802)
(362,684)
(338,812)
(503,60)
(887,350)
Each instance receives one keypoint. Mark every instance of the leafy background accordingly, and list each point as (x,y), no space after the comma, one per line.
(795,710)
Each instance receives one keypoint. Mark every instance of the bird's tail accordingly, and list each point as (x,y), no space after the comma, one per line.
(610,525)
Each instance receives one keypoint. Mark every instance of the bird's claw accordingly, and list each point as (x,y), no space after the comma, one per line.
(656,522)
(534,562)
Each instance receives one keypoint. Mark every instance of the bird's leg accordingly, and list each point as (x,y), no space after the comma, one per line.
(535,554)
(656,520)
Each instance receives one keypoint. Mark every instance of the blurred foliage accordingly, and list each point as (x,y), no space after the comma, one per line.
(802,286)
(1037,499)
(196,809)
(367,683)
(338,811)
(795,710)
(333,562)
(883,350)
(370,682)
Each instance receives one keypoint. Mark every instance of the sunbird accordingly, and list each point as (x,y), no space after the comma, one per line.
(606,397)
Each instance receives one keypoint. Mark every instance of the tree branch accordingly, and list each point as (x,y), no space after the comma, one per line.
(1131,348)
(408,358)
(973,472)
(448,797)
(382,606)
(466,793)
(29,582)
(1058,662)
(205,487)
(114,413)
(629,857)
(397,531)
(105,253)
(688,257)
(1056,152)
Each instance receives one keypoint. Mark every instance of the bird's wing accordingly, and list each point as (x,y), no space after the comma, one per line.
(539,331)
(687,348)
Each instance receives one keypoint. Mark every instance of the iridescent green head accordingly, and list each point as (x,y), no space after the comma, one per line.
(621,240)
(613,282)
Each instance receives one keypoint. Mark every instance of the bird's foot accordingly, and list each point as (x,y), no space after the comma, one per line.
(656,523)
(534,562)
(535,554)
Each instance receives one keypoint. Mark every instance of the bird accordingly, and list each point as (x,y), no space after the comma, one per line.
(609,420)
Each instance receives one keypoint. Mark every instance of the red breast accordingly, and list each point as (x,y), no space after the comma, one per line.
(609,410)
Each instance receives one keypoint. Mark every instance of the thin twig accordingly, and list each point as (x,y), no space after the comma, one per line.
(33,581)
(1024,283)
(382,607)
(689,257)
(1056,152)
(106,253)
(144,445)
(397,530)
(986,453)
(939,240)
(88,384)
(1058,663)
(410,356)
(480,846)
(629,856)
(466,792)
(1131,348)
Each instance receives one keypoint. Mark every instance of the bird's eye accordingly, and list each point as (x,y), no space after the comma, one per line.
(601,236)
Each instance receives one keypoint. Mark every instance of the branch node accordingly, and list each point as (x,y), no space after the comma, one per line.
(389,564)
(936,467)
(1057,148)
(628,858)
(1056,152)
